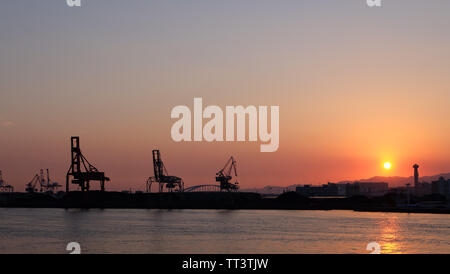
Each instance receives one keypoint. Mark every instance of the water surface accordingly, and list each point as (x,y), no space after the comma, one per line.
(220,231)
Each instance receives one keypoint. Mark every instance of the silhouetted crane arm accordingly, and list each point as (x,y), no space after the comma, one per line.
(228,168)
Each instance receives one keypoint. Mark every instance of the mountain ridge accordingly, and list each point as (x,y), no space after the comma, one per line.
(393,181)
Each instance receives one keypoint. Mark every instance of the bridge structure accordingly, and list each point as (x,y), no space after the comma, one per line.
(223,176)
(168,183)
(203,188)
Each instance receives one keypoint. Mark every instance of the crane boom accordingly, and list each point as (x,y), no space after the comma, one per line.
(224,176)
(31,186)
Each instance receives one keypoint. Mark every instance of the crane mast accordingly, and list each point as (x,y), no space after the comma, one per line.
(49,185)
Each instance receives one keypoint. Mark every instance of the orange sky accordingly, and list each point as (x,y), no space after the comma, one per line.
(356,87)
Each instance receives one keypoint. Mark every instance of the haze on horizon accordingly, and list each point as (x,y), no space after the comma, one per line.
(356,86)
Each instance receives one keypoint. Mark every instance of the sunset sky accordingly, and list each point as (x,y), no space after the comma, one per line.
(356,86)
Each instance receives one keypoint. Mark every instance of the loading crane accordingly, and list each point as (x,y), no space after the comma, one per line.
(81,170)
(32,186)
(49,185)
(40,184)
(162,177)
(224,176)
(3,186)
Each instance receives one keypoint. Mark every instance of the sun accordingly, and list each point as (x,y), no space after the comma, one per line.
(387,165)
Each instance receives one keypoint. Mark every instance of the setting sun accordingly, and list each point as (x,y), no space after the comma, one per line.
(387,165)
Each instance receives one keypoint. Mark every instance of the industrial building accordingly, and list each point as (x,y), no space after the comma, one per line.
(329,189)
(367,189)
(441,187)
(344,189)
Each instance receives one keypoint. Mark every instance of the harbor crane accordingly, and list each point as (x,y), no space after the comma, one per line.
(3,186)
(50,186)
(162,177)
(32,186)
(40,184)
(224,176)
(81,170)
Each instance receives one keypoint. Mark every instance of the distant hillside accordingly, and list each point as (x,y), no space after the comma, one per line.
(402,181)
(394,181)
(271,189)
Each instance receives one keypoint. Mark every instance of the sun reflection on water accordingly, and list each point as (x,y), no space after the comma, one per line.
(390,238)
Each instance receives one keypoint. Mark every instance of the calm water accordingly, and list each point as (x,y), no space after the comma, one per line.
(220,231)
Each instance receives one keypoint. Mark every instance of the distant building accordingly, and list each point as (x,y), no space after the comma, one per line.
(367,189)
(329,189)
(342,189)
(423,189)
(349,189)
(441,187)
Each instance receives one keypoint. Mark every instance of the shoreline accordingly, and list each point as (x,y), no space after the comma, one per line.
(207,201)
(393,210)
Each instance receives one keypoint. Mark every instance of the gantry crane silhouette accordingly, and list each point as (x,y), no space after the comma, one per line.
(81,170)
(224,176)
(162,177)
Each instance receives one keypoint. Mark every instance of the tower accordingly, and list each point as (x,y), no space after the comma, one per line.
(416,178)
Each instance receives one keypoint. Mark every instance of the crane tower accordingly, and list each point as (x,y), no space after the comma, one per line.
(81,171)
